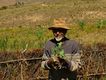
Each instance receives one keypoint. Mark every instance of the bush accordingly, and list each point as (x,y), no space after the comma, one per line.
(3,7)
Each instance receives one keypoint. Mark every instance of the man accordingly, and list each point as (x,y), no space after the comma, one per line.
(61,55)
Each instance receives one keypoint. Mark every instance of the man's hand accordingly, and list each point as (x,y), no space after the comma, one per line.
(63,62)
(53,62)
(50,62)
(57,63)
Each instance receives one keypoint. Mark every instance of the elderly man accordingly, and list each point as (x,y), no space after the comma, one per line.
(62,57)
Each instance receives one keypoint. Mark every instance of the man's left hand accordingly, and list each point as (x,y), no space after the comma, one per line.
(63,62)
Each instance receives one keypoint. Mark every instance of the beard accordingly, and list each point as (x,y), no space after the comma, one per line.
(59,38)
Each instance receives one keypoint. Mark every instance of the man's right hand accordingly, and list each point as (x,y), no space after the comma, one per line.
(50,61)
(53,62)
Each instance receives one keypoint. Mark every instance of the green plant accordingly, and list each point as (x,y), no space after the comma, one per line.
(81,24)
(4,43)
(58,51)
(101,24)
(40,35)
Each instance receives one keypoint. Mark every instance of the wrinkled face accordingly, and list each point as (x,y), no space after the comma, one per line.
(59,33)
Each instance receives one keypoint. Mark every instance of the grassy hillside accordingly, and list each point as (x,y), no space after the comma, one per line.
(24,24)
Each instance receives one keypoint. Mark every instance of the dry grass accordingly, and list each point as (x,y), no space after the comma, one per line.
(93,60)
(89,11)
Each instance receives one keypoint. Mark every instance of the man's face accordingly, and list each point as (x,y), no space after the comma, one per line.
(59,33)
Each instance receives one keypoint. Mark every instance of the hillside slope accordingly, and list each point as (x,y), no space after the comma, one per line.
(44,11)
(7,2)
(12,2)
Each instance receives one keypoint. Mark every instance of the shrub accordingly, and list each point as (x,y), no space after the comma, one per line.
(3,7)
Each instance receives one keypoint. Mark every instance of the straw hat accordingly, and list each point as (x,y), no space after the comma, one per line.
(60,23)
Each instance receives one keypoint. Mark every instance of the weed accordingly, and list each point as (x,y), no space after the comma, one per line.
(81,24)
(101,24)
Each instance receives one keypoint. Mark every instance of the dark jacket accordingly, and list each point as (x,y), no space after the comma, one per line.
(71,50)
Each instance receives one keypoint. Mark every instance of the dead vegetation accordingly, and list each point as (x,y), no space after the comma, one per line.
(26,65)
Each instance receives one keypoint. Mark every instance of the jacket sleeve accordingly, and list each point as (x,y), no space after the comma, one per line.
(74,59)
(45,57)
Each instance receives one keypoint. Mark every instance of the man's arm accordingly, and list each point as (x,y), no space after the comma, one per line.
(44,64)
(73,59)
(74,62)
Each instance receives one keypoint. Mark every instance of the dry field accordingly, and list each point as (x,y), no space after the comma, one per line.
(26,65)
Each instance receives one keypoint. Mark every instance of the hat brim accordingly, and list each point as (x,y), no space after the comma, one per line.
(51,28)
